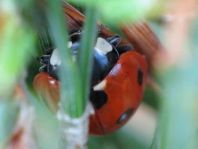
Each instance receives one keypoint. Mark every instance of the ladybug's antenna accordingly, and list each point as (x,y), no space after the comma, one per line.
(114,40)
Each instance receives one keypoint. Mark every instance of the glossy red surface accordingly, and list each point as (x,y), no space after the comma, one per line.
(123,93)
(122,89)
(47,88)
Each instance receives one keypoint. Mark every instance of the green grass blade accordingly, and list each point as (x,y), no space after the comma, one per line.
(86,50)
(71,89)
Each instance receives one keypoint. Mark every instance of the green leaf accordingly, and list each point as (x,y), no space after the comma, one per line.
(71,89)
(16,42)
(119,11)
(86,51)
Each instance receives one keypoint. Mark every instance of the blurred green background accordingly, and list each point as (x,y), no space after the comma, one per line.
(165,120)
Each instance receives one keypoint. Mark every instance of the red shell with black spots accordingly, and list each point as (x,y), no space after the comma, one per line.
(116,103)
(124,90)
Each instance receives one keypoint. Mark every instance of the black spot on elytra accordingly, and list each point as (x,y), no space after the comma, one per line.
(140,76)
(98,98)
(125,116)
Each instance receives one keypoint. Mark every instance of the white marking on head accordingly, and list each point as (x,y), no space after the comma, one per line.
(100,86)
(103,46)
(55,58)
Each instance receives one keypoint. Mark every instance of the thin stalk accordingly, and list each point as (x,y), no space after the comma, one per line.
(71,87)
(74,85)
(86,50)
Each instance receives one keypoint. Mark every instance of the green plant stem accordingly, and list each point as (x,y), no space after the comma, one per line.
(71,87)
(86,51)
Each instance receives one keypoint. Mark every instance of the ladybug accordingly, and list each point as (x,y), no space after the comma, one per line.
(117,83)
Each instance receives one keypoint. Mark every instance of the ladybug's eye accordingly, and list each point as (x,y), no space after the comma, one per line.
(125,116)
(140,76)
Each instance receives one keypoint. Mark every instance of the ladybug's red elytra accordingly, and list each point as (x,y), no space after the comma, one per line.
(120,94)
(117,84)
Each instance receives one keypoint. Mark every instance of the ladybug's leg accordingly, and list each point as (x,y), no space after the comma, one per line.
(116,43)
(114,40)
(44,61)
